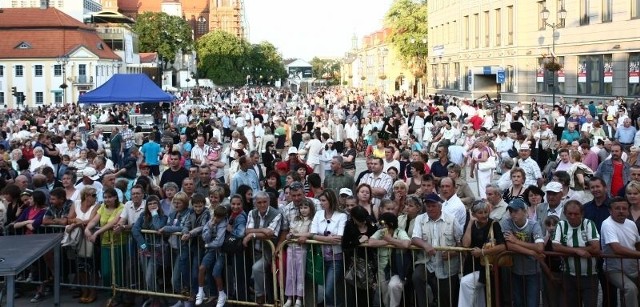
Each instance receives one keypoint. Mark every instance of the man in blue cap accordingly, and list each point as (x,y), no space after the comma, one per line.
(436,272)
(524,237)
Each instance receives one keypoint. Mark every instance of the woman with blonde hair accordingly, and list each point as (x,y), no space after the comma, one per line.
(79,216)
(632,194)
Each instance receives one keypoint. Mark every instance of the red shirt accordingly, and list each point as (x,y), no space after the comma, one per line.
(616,178)
(476,121)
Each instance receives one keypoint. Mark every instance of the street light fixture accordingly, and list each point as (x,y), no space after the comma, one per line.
(562,14)
(63,60)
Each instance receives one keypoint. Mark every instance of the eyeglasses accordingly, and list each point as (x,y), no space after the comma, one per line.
(93,195)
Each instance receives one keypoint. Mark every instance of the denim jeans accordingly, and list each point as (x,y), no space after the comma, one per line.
(180,274)
(149,265)
(526,290)
(334,277)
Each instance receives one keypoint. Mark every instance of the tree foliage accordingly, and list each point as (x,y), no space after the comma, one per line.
(327,69)
(228,60)
(408,21)
(164,34)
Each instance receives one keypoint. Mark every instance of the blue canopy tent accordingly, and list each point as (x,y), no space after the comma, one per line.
(127,88)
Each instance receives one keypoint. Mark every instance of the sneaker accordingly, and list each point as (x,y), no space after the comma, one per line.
(199,298)
(288,303)
(222,299)
(298,303)
(29,278)
(37,298)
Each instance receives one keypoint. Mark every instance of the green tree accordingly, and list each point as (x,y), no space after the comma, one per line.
(229,60)
(223,58)
(327,69)
(408,21)
(164,34)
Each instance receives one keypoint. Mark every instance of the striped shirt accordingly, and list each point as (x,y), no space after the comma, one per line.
(579,236)
(382,181)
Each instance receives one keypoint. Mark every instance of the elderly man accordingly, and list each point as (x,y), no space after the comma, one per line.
(524,237)
(338,179)
(498,205)
(626,134)
(578,237)
(533,175)
(263,224)
(452,204)
(620,237)
(436,270)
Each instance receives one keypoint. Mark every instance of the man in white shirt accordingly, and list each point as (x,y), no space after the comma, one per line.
(199,152)
(619,236)
(389,161)
(314,151)
(452,203)
(258,132)
(132,209)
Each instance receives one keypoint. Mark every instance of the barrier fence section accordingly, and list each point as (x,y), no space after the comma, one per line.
(170,265)
(371,276)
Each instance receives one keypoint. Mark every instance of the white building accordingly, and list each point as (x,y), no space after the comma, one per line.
(74,8)
(50,58)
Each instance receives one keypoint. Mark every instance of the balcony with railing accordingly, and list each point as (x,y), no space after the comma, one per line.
(82,79)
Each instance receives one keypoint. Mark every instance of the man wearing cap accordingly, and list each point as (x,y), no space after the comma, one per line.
(533,175)
(89,178)
(524,237)
(436,270)
(553,205)
(338,179)
(615,172)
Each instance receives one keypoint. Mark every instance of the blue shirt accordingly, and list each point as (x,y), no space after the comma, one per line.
(249,178)
(626,134)
(151,151)
(597,213)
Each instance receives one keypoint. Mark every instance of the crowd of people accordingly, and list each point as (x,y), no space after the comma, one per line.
(252,165)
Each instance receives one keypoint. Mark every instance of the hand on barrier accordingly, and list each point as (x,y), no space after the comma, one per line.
(185,237)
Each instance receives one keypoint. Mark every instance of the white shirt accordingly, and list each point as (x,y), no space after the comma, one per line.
(389,164)
(130,213)
(314,148)
(34,163)
(200,153)
(455,208)
(626,234)
(334,226)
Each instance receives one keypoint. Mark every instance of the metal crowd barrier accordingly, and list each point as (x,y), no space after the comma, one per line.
(373,289)
(169,269)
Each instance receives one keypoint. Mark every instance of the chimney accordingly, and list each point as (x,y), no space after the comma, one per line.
(44,4)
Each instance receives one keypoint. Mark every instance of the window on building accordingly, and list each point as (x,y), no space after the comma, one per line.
(634,74)
(545,78)
(456,72)
(498,27)
(38,70)
(19,70)
(57,70)
(595,75)
(39,97)
(635,9)
(454,32)
(57,97)
(509,79)
(1,97)
(486,29)
(445,71)
(607,7)
(510,25)
(541,5)
(1,71)
(434,76)
(560,22)
(466,82)
(465,28)
(584,12)
(476,30)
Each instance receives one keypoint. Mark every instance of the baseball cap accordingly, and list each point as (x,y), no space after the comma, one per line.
(91,173)
(554,186)
(525,146)
(292,151)
(330,141)
(517,204)
(346,191)
(434,198)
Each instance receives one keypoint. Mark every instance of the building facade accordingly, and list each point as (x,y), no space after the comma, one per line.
(204,16)
(74,8)
(50,58)
(374,66)
(479,47)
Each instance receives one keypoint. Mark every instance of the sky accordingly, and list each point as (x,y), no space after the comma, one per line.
(306,28)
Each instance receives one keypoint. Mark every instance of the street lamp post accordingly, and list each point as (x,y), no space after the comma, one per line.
(562,14)
(63,60)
